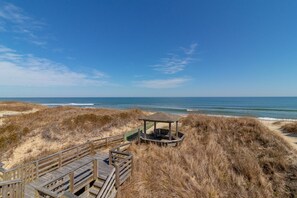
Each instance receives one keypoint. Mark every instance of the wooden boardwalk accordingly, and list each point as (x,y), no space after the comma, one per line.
(85,170)
(103,168)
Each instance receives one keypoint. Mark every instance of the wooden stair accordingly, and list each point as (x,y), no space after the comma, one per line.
(95,189)
(97,186)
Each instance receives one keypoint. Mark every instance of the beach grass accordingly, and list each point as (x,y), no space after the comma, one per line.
(220,157)
(55,128)
(290,127)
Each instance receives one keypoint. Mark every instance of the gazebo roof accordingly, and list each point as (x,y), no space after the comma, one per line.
(161,117)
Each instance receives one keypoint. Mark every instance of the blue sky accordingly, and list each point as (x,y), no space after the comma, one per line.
(148,48)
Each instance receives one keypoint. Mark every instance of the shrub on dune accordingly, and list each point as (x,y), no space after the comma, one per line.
(220,157)
(290,127)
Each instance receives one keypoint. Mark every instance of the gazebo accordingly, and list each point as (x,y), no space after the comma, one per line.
(161,136)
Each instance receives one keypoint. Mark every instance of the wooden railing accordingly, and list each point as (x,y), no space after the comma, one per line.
(11,189)
(35,169)
(122,160)
(176,141)
(70,181)
(2,170)
(119,157)
(108,186)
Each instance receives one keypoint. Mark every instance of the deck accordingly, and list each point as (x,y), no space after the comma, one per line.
(86,170)
(103,168)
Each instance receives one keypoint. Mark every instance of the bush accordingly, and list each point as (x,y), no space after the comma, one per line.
(290,127)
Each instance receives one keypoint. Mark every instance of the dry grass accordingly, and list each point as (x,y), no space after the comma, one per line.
(18,106)
(220,157)
(50,129)
(290,127)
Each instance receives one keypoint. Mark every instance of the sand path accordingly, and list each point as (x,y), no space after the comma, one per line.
(291,138)
(12,113)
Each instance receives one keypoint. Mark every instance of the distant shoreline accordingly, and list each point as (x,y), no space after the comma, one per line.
(264,108)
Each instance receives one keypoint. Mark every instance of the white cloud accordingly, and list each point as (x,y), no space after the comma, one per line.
(162,83)
(99,75)
(191,50)
(29,70)
(176,63)
(13,19)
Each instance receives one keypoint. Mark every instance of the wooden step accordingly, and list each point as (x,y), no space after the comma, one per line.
(93,191)
(98,183)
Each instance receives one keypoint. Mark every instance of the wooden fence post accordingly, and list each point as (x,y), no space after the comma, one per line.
(71,182)
(77,153)
(92,148)
(117,172)
(95,169)
(110,157)
(60,159)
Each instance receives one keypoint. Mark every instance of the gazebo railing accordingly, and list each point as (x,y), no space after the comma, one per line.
(151,138)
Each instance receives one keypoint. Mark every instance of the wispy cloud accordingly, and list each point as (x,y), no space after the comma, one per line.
(191,50)
(175,62)
(14,19)
(162,83)
(29,70)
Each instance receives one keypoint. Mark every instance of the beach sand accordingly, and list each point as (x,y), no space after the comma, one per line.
(275,127)
(13,113)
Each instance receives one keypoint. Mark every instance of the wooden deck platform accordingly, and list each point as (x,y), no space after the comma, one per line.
(81,169)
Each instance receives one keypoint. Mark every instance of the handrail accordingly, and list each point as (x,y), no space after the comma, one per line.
(12,188)
(2,183)
(46,191)
(124,165)
(177,141)
(67,173)
(108,184)
(43,189)
(40,166)
(35,169)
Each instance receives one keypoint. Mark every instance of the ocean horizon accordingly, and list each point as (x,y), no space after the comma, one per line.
(269,108)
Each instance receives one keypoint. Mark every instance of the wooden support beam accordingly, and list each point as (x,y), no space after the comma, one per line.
(92,148)
(176,126)
(117,174)
(139,136)
(170,137)
(60,160)
(95,169)
(144,127)
(71,182)
(155,126)
(110,157)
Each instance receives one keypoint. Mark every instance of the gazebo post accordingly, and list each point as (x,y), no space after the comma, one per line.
(176,132)
(170,131)
(155,126)
(144,127)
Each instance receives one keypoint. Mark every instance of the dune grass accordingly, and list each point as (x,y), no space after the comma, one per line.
(220,157)
(50,129)
(290,127)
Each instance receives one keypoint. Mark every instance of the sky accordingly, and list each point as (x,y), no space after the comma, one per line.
(148,48)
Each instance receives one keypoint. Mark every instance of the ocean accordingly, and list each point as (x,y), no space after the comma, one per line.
(272,108)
